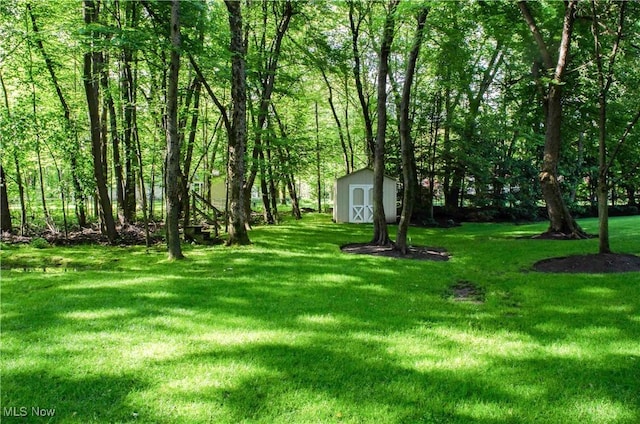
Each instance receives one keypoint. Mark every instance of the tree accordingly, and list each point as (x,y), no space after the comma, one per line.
(172,176)
(605,80)
(560,218)
(92,64)
(409,177)
(238,135)
(5,213)
(380,230)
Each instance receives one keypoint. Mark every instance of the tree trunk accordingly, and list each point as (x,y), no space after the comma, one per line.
(172,173)
(92,62)
(188,158)
(237,220)
(267,83)
(318,174)
(109,106)
(560,219)
(380,230)
(5,213)
(409,176)
(16,161)
(70,127)
(357,75)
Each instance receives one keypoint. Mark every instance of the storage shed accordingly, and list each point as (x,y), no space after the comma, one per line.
(353,197)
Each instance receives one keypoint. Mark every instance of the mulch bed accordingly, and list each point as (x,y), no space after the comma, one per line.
(415,252)
(590,264)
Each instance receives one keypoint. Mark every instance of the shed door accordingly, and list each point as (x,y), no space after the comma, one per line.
(360,203)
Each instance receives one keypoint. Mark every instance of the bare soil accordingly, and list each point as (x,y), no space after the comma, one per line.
(466,291)
(415,252)
(590,264)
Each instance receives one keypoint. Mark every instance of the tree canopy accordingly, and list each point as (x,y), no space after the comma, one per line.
(505,110)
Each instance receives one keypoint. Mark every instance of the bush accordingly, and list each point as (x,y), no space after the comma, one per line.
(39,243)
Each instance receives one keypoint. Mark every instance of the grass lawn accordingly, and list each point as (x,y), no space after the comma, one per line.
(291,330)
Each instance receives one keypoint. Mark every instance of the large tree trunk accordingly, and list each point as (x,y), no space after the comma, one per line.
(560,219)
(92,62)
(172,173)
(237,231)
(409,176)
(380,230)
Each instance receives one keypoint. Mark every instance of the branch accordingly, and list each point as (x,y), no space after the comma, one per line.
(221,108)
(622,139)
(537,36)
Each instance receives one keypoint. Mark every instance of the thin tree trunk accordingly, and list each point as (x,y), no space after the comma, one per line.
(172,173)
(16,161)
(343,144)
(70,127)
(267,85)
(92,62)
(186,180)
(109,106)
(357,74)
(409,176)
(318,176)
(5,212)
(285,159)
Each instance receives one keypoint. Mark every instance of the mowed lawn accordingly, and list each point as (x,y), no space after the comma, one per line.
(291,330)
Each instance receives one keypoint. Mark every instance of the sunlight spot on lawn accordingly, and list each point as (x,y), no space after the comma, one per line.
(599,411)
(329,278)
(157,295)
(98,314)
(481,410)
(152,350)
(569,350)
(207,380)
(567,310)
(114,280)
(600,291)
(240,337)
(375,288)
(326,319)
(453,363)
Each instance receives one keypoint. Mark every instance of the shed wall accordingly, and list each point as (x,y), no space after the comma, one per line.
(362,177)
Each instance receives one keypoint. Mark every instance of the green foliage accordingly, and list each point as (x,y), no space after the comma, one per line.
(39,243)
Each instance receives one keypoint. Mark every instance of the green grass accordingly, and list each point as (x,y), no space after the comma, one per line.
(290,330)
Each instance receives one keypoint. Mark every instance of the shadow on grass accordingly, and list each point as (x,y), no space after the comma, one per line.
(334,337)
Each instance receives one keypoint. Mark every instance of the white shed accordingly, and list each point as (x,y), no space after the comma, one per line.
(353,197)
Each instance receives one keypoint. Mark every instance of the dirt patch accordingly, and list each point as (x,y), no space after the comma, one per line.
(466,291)
(590,264)
(415,252)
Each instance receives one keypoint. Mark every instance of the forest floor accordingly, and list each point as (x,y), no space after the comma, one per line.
(128,235)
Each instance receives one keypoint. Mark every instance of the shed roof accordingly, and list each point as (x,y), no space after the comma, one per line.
(363,170)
